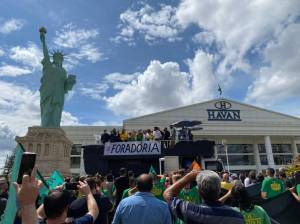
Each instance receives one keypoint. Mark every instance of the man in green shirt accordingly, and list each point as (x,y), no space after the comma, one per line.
(271,186)
(256,215)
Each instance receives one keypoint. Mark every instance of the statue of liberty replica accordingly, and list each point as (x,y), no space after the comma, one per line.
(54,85)
(49,141)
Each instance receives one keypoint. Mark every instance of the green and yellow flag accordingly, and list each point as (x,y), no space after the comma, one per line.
(11,206)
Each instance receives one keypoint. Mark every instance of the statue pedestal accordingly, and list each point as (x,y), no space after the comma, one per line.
(52,148)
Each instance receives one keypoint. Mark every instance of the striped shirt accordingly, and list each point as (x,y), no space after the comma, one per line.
(209,213)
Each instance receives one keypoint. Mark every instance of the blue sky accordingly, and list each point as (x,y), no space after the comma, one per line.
(138,57)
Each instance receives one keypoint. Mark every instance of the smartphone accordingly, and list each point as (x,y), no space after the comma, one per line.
(71,186)
(26,166)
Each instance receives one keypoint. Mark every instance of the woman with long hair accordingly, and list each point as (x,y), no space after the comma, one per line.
(252,213)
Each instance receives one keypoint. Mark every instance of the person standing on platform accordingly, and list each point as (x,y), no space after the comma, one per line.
(124,135)
(121,184)
(105,137)
(157,134)
(142,207)
(271,186)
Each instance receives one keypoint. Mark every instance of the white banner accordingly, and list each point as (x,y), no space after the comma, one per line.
(132,148)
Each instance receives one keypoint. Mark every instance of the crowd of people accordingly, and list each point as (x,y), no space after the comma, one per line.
(185,196)
(172,134)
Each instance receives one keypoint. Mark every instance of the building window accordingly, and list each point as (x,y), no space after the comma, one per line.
(238,154)
(282,159)
(220,149)
(281,148)
(46,152)
(38,149)
(264,160)
(75,162)
(238,160)
(261,148)
(76,149)
(243,148)
(282,154)
(298,148)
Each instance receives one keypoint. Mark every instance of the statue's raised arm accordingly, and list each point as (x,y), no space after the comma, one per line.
(43,32)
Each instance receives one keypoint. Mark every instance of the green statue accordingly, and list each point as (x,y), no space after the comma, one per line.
(55,83)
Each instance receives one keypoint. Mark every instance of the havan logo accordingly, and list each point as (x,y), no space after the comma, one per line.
(223,112)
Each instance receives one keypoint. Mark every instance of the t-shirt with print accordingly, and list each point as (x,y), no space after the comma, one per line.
(272,186)
(158,190)
(256,216)
(87,219)
(298,189)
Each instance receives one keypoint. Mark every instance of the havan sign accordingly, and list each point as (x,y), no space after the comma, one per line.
(223,112)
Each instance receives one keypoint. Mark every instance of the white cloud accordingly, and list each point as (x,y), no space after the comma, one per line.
(71,37)
(163,85)
(99,123)
(94,91)
(67,119)
(28,56)
(11,25)
(237,26)
(12,70)
(150,23)
(87,51)
(280,80)
(204,37)
(119,80)
(81,40)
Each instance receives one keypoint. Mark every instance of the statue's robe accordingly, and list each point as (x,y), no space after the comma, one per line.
(52,93)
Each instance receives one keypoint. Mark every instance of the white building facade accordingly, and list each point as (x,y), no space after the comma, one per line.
(246,137)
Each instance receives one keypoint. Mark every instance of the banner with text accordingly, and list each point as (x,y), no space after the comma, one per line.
(132,148)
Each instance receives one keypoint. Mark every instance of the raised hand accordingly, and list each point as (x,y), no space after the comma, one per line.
(28,191)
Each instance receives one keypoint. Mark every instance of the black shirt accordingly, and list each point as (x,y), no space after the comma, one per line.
(105,138)
(121,184)
(79,208)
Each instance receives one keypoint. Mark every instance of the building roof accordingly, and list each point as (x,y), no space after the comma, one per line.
(253,120)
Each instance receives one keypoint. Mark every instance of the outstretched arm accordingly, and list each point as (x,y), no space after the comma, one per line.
(45,49)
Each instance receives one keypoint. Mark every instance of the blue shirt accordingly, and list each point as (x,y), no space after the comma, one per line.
(209,213)
(142,208)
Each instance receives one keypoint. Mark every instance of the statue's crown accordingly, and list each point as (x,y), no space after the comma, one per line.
(57,53)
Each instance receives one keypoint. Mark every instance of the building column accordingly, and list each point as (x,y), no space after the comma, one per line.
(294,148)
(257,157)
(269,152)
